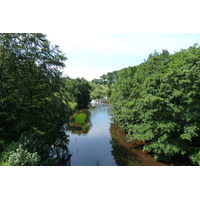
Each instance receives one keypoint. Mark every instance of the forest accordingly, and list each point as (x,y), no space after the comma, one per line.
(155,102)
(35,101)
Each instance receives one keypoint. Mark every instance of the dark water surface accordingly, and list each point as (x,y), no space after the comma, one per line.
(105,144)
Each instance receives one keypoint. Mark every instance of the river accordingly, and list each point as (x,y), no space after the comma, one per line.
(105,144)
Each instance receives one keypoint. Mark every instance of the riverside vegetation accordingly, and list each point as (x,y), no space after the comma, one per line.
(156,102)
(79,121)
(35,101)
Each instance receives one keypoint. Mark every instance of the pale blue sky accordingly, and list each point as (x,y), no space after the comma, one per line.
(91,55)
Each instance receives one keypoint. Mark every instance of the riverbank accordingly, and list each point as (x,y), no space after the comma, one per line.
(105,144)
(133,148)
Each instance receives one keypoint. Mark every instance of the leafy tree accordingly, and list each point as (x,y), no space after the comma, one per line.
(157,102)
(79,89)
(98,91)
(31,88)
(106,79)
(103,87)
(97,81)
(111,78)
(103,78)
(30,83)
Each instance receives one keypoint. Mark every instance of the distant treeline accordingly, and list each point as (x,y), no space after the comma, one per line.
(102,87)
(158,103)
(106,79)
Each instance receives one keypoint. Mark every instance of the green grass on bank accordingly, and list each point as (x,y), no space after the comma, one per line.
(81,118)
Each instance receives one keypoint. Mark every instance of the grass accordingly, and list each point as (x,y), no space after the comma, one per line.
(86,127)
(81,118)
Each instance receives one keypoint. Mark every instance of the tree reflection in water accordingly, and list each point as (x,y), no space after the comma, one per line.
(129,153)
(60,152)
(123,156)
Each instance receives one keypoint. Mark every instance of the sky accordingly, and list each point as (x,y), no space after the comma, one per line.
(103,36)
(91,55)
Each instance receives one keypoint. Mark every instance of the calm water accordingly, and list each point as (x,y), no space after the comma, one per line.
(105,144)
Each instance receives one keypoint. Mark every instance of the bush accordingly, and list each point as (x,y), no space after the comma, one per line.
(32,148)
(21,157)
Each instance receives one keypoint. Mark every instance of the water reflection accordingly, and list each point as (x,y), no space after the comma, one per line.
(60,152)
(93,148)
(80,132)
(105,144)
(122,154)
(129,153)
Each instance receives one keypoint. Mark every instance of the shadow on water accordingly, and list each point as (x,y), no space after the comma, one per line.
(122,155)
(129,153)
(59,151)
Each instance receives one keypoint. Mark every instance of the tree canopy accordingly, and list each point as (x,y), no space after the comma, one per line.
(157,102)
(79,91)
(34,99)
(106,79)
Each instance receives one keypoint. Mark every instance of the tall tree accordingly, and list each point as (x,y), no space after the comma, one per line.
(31,95)
(79,89)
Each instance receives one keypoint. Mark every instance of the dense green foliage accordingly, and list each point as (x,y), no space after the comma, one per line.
(30,84)
(80,121)
(157,102)
(102,87)
(106,79)
(35,101)
(81,118)
(98,91)
(79,92)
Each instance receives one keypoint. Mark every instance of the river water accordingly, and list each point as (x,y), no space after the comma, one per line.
(105,144)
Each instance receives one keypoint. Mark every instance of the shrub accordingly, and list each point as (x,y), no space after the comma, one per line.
(21,157)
